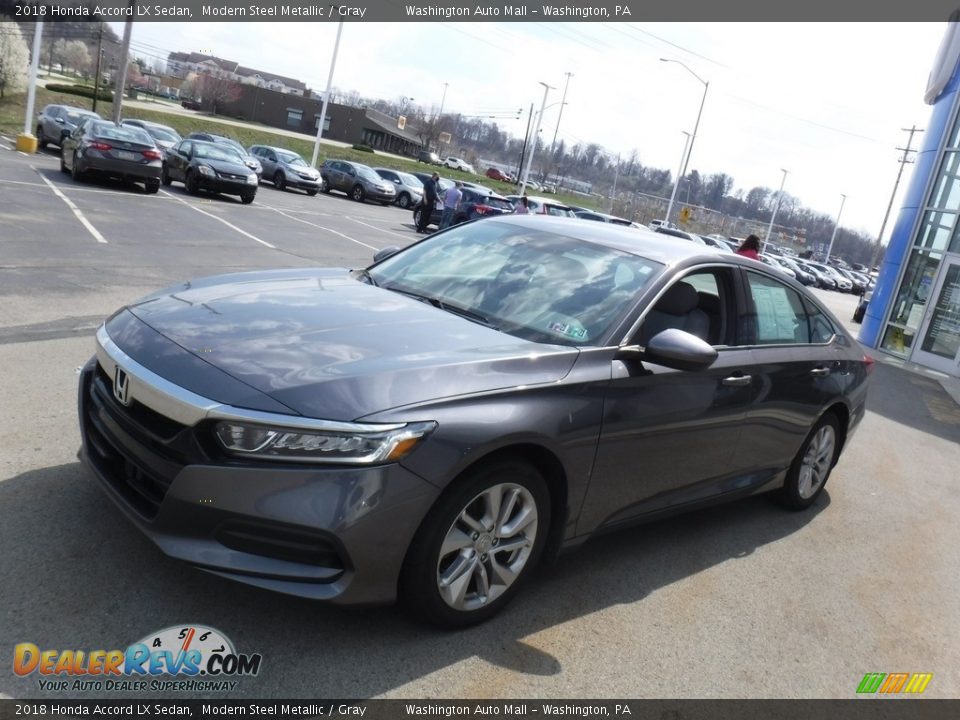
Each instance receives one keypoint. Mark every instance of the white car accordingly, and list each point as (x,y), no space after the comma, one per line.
(458,164)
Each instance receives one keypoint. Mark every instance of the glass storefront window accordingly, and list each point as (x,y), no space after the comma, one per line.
(936,230)
(907,311)
(946,194)
(943,332)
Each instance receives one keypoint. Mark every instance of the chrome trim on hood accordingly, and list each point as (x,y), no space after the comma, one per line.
(188,408)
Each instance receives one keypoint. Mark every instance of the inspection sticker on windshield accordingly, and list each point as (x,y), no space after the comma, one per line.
(573,331)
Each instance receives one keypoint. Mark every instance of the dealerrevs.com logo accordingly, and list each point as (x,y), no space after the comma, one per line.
(200,658)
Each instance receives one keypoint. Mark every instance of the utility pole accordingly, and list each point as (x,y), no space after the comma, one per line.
(96,81)
(903,161)
(122,69)
(326,98)
(563,101)
(775,208)
(526,137)
(836,227)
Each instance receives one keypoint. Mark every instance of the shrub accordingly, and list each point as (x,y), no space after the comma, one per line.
(82,90)
(363,148)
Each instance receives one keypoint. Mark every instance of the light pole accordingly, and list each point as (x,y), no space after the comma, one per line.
(536,134)
(836,226)
(775,208)
(563,101)
(26,142)
(326,97)
(696,127)
(676,183)
(616,176)
(443,99)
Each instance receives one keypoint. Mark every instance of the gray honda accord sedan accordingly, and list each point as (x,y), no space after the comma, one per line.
(430,427)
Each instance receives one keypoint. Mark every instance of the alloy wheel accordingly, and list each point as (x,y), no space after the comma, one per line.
(815,465)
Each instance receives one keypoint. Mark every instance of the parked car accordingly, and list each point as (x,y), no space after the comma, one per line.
(104,148)
(861,310)
(56,122)
(842,283)
(286,169)
(409,188)
(824,280)
(435,425)
(495,174)
(249,160)
(430,158)
(458,164)
(543,206)
(358,181)
(717,243)
(802,274)
(216,167)
(189,104)
(857,281)
(473,205)
(164,136)
(682,234)
(604,217)
(772,261)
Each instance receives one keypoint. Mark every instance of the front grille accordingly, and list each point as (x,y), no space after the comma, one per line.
(138,451)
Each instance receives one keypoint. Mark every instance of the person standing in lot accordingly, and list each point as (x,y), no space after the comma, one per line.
(523,207)
(750,247)
(450,202)
(430,195)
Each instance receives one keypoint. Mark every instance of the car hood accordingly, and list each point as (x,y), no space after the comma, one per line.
(329,346)
(225,166)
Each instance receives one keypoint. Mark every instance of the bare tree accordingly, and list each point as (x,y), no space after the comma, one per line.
(74,54)
(217,91)
(14,58)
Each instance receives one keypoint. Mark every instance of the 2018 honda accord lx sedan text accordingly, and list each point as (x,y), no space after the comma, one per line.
(431,426)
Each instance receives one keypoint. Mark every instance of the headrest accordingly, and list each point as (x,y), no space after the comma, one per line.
(680,299)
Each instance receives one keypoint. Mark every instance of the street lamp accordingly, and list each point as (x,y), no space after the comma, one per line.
(836,226)
(676,183)
(696,127)
(326,97)
(775,208)
(536,134)
(563,101)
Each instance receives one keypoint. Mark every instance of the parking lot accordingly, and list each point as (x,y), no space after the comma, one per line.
(742,600)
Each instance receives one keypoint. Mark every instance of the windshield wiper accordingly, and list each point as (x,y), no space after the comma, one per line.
(448,307)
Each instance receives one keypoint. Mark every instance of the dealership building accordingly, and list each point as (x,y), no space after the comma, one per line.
(914,312)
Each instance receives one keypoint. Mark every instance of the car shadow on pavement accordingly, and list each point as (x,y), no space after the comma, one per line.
(914,400)
(78,575)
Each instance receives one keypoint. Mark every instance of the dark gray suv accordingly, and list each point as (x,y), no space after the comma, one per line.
(358,181)
(431,426)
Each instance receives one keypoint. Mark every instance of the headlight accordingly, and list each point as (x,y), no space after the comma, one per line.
(206,170)
(348,443)
(252,180)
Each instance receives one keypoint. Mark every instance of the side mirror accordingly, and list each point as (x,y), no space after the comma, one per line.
(385,253)
(59,121)
(675,349)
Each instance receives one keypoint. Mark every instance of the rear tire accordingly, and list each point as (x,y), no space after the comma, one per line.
(811,467)
(416,218)
(165,176)
(477,545)
(75,172)
(151,186)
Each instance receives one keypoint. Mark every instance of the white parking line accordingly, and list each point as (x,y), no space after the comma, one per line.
(374,227)
(220,219)
(330,230)
(76,211)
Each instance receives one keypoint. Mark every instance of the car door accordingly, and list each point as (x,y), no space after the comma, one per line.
(799,368)
(668,436)
(178,159)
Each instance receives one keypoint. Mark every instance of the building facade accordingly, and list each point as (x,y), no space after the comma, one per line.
(914,312)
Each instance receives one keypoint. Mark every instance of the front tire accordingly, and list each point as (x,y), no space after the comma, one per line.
(41,140)
(357,193)
(811,467)
(191,183)
(280,180)
(477,545)
(165,176)
(403,201)
(311,192)
(151,187)
(247,198)
(324,185)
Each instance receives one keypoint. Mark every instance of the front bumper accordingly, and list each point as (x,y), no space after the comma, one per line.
(380,195)
(226,185)
(298,181)
(327,533)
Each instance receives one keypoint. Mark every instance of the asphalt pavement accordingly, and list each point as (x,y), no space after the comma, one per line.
(742,600)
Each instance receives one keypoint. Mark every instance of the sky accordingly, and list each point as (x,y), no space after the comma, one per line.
(825,101)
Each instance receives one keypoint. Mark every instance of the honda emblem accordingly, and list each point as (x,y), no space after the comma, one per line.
(121,386)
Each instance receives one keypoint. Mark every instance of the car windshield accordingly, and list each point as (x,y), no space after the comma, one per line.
(291,158)
(367,174)
(122,133)
(410,180)
(75,117)
(163,134)
(526,282)
(217,152)
(234,144)
(559,211)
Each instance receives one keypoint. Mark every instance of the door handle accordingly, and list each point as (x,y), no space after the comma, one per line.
(737,380)
(820,372)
